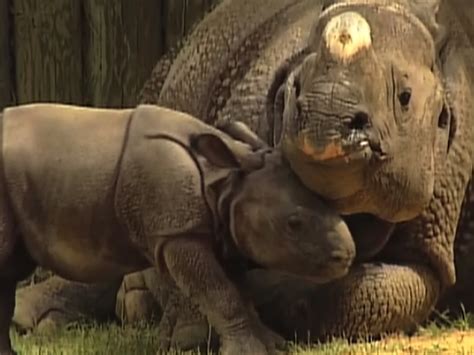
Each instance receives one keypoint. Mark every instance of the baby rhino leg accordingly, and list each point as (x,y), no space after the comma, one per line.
(15,265)
(7,304)
(193,267)
(16,268)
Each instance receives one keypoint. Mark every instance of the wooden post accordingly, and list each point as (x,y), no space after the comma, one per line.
(6,88)
(48,50)
(144,44)
(174,21)
(123,42)
(180,17)
(195,11)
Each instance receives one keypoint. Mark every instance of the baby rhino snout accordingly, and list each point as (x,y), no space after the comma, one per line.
(341,250)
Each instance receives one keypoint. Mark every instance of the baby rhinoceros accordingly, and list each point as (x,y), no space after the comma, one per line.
(93,194)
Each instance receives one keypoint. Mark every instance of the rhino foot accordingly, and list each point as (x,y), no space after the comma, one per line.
(263,341)
(136,303)
(244,345)
(57,302)
(183,327)
(371,300)
(147,296)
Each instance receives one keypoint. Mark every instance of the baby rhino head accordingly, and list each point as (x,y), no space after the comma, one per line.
(280,224)
(273,219)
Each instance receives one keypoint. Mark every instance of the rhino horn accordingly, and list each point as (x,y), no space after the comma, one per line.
(346,35)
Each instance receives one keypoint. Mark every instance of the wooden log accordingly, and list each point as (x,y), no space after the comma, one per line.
(6,88)
(174,21)
(122,43)
(48,64)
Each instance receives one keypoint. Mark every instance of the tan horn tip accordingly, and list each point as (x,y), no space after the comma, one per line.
(346,35)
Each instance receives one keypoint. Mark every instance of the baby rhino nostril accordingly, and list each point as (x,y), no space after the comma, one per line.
(341,255)
(360,121)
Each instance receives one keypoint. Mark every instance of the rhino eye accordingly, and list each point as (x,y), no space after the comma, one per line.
(405,97)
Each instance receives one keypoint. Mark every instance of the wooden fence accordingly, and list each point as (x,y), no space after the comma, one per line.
(88,52)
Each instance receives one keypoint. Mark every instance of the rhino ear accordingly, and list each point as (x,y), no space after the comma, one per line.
(427,12)
(240,131)
(447,120)
(215,150)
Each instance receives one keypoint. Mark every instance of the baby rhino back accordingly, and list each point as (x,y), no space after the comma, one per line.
(60,166)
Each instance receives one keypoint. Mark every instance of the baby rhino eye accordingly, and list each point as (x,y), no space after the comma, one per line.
(295,222)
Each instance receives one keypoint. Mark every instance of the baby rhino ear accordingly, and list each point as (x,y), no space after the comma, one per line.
(215,150)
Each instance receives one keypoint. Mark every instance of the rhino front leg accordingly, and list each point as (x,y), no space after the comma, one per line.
(371,300)
(147,294)
(193,267)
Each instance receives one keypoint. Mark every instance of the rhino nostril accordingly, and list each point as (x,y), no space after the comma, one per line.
(360,121)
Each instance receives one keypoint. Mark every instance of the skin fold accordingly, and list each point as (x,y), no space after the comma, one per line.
(238,70)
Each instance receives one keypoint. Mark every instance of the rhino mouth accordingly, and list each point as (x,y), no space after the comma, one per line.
(356,146)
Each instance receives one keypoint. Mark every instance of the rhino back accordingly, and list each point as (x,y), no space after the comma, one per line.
(60,168)
(221,50)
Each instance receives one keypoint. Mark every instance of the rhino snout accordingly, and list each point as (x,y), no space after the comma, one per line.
(342,246)
(338,263)
(342,256)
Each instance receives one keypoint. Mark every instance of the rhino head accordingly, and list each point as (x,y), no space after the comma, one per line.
(363,108)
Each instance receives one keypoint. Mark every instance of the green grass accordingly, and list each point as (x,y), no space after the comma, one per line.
(80,340)
(441,337)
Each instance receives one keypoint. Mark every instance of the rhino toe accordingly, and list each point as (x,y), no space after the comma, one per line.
(135,302)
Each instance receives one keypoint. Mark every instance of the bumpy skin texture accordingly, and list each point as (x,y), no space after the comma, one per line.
(226,71)
(419,257)
(350,112)
(69,304)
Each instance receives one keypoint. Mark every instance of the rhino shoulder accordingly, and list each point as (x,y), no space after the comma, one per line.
(159,190)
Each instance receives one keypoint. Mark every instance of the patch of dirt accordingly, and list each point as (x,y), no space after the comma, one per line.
(452,342)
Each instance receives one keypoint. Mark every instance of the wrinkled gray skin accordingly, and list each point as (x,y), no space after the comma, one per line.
(349,120)
(233,69)
(165,190)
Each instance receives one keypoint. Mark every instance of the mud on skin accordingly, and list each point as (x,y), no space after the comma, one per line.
(166,190)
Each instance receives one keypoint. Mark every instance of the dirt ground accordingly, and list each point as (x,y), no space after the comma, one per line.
(444,342)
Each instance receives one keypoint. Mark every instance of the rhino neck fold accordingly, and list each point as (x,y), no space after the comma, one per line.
(224,192)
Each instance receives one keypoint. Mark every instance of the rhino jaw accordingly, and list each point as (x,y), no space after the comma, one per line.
(335,151)
(346,35)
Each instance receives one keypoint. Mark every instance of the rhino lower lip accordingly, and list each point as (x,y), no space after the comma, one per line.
(360,151)
(377,150)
